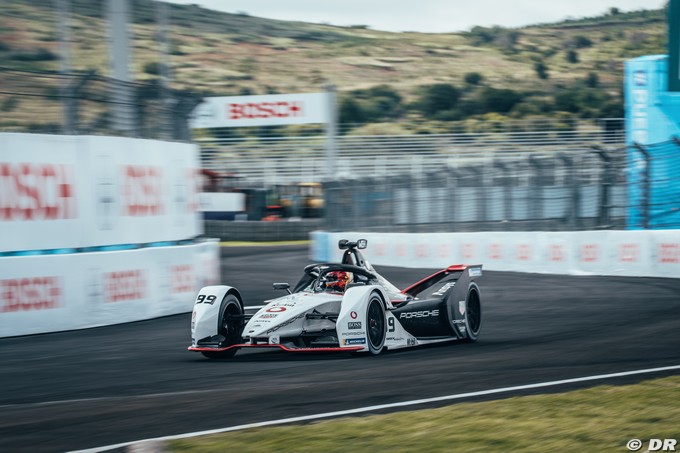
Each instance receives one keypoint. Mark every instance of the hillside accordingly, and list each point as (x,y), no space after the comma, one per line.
(515,72)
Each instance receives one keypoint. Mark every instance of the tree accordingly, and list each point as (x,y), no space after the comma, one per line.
(438,98)
(351,111)
(572,56)
(473,78)
(498,99)
(541,70)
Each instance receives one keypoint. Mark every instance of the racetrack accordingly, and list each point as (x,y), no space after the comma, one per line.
(96,387)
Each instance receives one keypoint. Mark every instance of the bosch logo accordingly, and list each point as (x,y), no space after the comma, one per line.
(419,314)
(252,110)
(182,278)
(142,191)
(122,286)
(668,253)
(29,294)
(353,314)
(276,309)
(37,192)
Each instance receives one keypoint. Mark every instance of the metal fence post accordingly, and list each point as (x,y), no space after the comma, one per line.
(572,184)
(507,192)
(536,198)
(645,185)
(605,188)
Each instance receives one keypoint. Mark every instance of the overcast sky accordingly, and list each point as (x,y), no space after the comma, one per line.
(429,16)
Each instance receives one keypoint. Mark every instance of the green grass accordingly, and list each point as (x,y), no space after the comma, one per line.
(600,419)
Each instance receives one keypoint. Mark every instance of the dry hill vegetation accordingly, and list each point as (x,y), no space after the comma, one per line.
(569,69)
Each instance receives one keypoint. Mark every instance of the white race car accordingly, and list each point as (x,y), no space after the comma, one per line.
(345,307)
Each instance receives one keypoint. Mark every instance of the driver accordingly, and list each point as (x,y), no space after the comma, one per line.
(338,280)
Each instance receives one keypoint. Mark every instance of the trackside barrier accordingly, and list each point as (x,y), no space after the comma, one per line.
(50,293)
(624,253)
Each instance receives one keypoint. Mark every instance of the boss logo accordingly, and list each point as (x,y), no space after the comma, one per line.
(353,325)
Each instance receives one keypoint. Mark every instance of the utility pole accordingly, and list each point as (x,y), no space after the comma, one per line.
(63,8)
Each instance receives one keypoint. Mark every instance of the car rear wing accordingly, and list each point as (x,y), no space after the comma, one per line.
(454,272)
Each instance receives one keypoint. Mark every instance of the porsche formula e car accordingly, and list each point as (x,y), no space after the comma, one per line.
(343,306)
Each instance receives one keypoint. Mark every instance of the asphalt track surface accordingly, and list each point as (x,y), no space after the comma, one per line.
(89,388)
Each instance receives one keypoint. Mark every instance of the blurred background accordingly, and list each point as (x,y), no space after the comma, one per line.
(491,128)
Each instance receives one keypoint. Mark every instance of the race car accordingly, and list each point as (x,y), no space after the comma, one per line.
(345,307)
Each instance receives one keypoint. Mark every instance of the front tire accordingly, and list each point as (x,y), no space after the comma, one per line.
(229,327)
(376,327)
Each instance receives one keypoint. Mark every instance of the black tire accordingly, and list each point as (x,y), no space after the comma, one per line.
(376,325)
(230,326)
(473,313)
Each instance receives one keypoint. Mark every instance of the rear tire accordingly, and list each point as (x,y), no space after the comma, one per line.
(473,314)
(376,327)
(229,327)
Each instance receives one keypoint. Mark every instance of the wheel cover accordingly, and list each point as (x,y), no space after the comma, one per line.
(376,323)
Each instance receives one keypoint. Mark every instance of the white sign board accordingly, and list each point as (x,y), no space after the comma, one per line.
(262,110)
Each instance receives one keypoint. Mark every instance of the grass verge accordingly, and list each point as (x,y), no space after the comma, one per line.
(600,419)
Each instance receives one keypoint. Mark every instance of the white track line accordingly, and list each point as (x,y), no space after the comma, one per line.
(360,410)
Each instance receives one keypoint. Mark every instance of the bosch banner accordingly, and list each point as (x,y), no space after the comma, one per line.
(264,110)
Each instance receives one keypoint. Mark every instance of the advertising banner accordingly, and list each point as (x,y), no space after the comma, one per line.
(262,110)
(65,192)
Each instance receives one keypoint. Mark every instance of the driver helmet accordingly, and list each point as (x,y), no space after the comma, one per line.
(337,280)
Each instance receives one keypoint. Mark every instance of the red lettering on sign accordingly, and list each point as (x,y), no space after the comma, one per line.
(142,191)
(380,249)
(182,278)
(31,191)
(443,250)
(468,251)
(629,253)
(524,252)
(31,293)
(556,253)
(264,110)
(668,253)
(421,250)
(121,286)
(495,251)
(590,253)
(401,250)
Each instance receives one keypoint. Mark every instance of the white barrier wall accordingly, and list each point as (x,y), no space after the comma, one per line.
(66,194)
(50,293)
(626,253)
(84,191)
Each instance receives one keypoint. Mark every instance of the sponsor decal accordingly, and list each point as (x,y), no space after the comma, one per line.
(285,323)
(411,342)
(182,278)
(252,110)
(274,339)
(556,253)
(524,252)
(475,272)
(276,309)
(419,314)
(421,250)
(461,307)
(268,315)
(443,250)
(590,253)
(349,341)
(122,286)
(468,251)
(358,333)
(458,321)
(193,321)
(629,253)
(354,325)
(640,78)
(30,191)
(353,314)
(30,294)
(394,339)
(142,190)
(495,251)
(669,253)
(444,288)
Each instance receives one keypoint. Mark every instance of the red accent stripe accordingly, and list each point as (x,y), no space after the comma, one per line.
(451,268)
(279,346)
